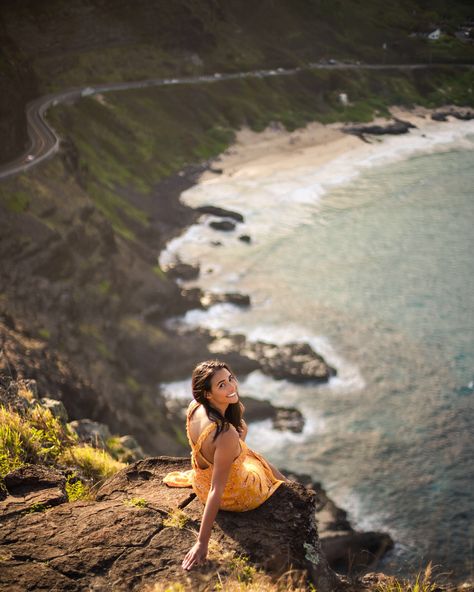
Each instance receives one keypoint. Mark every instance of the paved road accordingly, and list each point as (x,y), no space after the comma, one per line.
(44,140)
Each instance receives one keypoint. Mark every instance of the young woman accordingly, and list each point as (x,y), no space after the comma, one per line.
(226,474)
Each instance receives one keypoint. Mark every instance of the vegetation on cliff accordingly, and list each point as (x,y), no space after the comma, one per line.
(30,433)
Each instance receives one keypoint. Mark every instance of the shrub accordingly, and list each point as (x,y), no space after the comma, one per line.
(93,464)
(76,489)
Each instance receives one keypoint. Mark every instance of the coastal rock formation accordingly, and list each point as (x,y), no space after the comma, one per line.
(183,271)
(346,549)
(220,212)
(225,225)
(140,530)
(283,418)
(210,298)
(395,128)
(297,362)
(443,114)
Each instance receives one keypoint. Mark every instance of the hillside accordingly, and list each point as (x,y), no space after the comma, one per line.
(53,45)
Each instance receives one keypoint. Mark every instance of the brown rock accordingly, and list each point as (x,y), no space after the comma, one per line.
(32,488)
(118,543)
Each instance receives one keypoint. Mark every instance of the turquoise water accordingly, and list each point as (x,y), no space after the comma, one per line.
(379,276)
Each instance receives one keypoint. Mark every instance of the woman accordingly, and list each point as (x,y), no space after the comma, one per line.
(226,474)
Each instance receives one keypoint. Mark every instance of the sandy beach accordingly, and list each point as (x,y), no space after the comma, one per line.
(255,154)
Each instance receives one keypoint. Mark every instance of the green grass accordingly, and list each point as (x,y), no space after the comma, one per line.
(136,502)
(75,489)
(16,202)
(37,437)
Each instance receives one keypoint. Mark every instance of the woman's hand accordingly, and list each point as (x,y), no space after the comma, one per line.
(195,556)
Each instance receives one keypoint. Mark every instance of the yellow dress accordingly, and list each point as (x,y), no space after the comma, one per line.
(250,481)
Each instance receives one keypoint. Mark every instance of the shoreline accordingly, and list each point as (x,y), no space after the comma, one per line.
(254,155)
(317,144)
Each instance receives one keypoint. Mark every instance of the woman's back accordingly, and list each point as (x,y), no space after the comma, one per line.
(251,481)
(198,425)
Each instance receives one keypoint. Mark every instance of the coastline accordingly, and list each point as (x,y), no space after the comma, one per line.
(275,151)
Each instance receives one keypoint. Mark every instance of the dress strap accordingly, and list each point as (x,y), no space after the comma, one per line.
(204,434)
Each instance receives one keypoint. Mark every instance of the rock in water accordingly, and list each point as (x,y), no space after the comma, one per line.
(225,225)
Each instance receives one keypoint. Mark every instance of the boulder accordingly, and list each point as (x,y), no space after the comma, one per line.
(395,128)
(211,298)
(245,238)
(91,432)
(283,418)
(56,407)
(182,271)
(347,550)
(439,116)
(297,362)
(220,212)
(225,225)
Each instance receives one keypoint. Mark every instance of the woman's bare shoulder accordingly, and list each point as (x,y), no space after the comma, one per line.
(229,436)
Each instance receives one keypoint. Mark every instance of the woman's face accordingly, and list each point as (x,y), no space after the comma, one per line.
(224,388)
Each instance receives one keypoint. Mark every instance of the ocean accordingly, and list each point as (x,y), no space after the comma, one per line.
(370,259)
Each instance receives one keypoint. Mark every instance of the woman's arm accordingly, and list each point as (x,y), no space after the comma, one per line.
(226,445)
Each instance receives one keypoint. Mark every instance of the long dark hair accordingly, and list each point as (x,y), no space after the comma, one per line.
(201,384)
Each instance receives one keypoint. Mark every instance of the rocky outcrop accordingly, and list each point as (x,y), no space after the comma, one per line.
(140,530)
(283,418)
(220,212)
(296,362)
(225,225)
(346,549)
(210,298)
(395,128)
(459,113)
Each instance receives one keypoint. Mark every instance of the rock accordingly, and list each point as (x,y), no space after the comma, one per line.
(56,407)
(32,488)
(288,419)
(134,545)
(221,212)
(182,271)
(398,127)
(91,432)
(32,386)
(439,116)
(245,238)
(211,298)
(297,362)
(355,551)
(193,297)
(135,451)
(283,418)
(347,550)
(225,225)
(462,114)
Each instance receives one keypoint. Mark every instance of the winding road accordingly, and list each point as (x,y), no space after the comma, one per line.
(44,140)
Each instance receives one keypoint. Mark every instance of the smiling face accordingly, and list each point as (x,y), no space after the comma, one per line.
(224,389)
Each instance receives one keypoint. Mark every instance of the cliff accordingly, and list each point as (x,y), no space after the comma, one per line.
(61,498)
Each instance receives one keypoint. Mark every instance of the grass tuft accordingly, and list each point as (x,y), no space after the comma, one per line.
(94,464)
(423,583)
(176,519)
(137,502)
(76,490)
